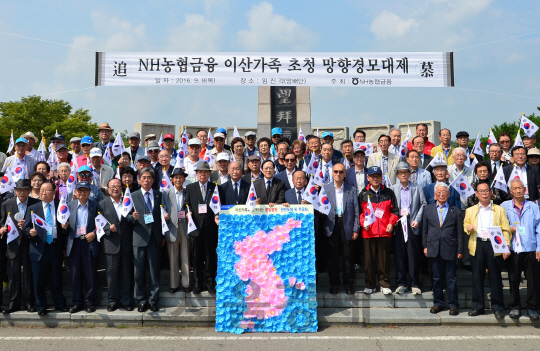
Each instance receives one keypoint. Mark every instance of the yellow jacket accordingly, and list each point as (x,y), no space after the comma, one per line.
(438,148)
(499,220)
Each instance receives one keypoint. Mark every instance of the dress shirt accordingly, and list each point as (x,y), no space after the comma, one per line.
(414,176)
(405,196)
(22,206)
(395,149)
(179,198)
(82,217)
(516,208)
(266,185)
(118,207)
(223,178)
(330,165)
(384,163)
(442,214)
(360,176)
(339,198)
(522,171)
(204,190)
(34,154)
(485,218)
(151,191)
(289,177)
(53,214)
(62,188)
(446,151)
(96,179)
(497,165)
(190,167)
(255,178)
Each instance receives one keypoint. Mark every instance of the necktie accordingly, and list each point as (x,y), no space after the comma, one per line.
(236,192)
(299,196)
(48,218)
(148,202)
(203,192)
(326,175)
(494,167)
(440,210)
(268,184)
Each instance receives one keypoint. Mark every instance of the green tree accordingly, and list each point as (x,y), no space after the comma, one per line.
(34,114)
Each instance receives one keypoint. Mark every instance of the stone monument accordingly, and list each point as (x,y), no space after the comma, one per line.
(434,127)
(153,128)
(340,134)
(374,131)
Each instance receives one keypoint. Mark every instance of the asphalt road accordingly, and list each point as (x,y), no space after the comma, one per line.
(333,338)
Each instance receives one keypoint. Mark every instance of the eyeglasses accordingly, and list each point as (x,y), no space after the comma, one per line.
(504,141)
(485,191)
(219,140)
(339,172)
(520,154)
(290,159)
(152,151)
(85,175)
(115,187)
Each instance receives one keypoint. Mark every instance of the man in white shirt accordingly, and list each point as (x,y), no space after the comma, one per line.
(357,175)
(384,159)
(31,138)
(221,175)
(395,142)
(101,172)
(458,167)
(191,162)
(219,144)
(287,174)
(326,164)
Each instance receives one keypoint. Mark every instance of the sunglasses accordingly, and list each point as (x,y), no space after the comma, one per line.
(152,151)
(250,138)
(339,172)
(85,175)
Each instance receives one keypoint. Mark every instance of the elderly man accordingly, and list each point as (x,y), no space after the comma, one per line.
(347,148)
(202,135)
(387,161)
(442,239)
(82,248)
(524,218)
(75,145)
(478,220)
(341,227)
(85,175)
(395,142)
(168,144)
(105,131)
(357,174)
(62,154)
(314,147)
(462,139)
(250,138)
(529,142)
(21,288)
(148,138)
(378,235)
(422,131)
(328,137)
(166,166)
(495,153)
(529,175)
(135,150)
(87,144)
(359,136)
(101,173)
(282,149)
(269,189)
(411,201)
(219,143)
(441,175)
(118,249)
(20,159)
(236,189)
(419,144)
(221,174)
(254,166)
(193,159)
(153,150)
(445,148)
(293,196)
(287,174)
(418,175)
(31,138)
(458,167)
(328,162)
(276,134)
(205,238)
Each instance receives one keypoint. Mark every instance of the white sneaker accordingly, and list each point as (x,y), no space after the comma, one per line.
(368,291)
(386,291)
(401,290)
(416,291)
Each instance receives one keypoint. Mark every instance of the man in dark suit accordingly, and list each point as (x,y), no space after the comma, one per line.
(419,144)
(358,171)
(46,250)
(118,249)
(17,250)
(287,174)
(494,157)
(236,190)
(82,248)
(254,165)
(205,238)
(294,196)
(462,139)
(442,239)
(270,191)
(529,175)
(147,240)
(166,167)
(341,226)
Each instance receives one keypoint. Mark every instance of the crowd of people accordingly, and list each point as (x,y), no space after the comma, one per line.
(389,197)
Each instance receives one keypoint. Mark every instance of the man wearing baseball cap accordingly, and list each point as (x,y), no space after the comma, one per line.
(20,159)
(135,149)
(224,132)
(221,175)
(84,174)
(105,131)
(377,236)
(101,172)
(168,144)
(277,133)
(75,145)
(250,139)
(328,137)
(153,152)
(87,144)
(357,174)
(219,147)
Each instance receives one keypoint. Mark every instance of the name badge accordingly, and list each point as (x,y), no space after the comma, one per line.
(81,231)
(379,213)
(484,234)
(148,218)
(404,211)
(521,230)
(339,211)
(181,214)
(202,209)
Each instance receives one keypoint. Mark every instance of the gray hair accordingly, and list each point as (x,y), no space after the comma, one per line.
(64,164)
(441,185)
(517,180)
(391,130)
(459,149)
(148,170)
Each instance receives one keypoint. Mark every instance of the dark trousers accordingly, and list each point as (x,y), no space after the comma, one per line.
(524,262)
(149,254)
(407,257)
(372,248)
(21,286)
(338,243)
(442,268)
(50,265)
(321,244)
(205,259)
(482,259)
(119,269)
(83,266)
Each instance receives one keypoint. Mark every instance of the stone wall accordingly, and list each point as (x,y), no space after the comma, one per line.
(340,134)
(434,128)
(154,128)
(374,131)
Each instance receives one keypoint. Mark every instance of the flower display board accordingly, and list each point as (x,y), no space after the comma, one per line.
(266,270)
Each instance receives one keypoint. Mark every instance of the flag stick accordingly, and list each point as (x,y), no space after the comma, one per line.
(105,218)
(33,224)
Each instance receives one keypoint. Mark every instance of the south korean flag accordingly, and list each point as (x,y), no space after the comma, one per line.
(164,227)
(369,215)
(310,194)
(323,203)
(462,186)
(528,126)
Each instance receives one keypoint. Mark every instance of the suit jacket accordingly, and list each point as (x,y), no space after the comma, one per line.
(291,197)
(276,193)
(215,178)
(500,219)
(393,161)
(350,177)
(142,232)
(169,198)
(10,206)
(30,164)
(38,242)
(122,239)
(533,180)
(228,190)
(283,176)
(427,160)
(204,222)
(93,209)
(416,206)
(350,210)
(106,173)
(247,177)
(453,200)
(446,240)
(439,148)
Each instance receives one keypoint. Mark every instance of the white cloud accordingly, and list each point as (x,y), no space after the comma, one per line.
(270,31)
(515,57)
(387,24)
(197,33)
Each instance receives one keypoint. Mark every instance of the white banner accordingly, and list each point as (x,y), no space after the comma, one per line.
(345,69)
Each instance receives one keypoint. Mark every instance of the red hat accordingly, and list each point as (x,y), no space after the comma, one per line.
(168,136)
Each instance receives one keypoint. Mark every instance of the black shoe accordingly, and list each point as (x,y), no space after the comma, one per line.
(499,314)
(436,309)
(75,309)
(533,314)
(350,290)
(173,290)
(129,308)
(112,307)
(334,291)
(211,289)
(91,309)
(42,313)
(31,308)
(62,309)
(515,313)
(197,291)
(468,268)
(454,311)
(188,289)
(10,309)
(142,308)
(474,313)
(154,308)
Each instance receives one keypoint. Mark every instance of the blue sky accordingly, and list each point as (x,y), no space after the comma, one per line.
(507,67)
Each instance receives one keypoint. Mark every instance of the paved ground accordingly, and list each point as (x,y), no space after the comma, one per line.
(332,338)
